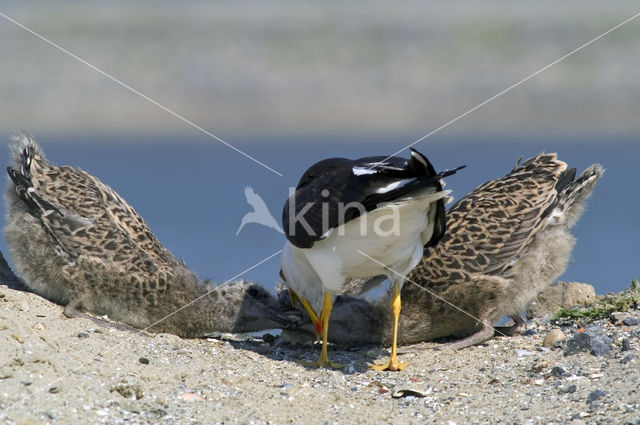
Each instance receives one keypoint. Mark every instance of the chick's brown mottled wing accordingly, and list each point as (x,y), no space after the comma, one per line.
(85,217)
(491,226)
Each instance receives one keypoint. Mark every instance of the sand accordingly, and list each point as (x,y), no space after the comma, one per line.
(61,371)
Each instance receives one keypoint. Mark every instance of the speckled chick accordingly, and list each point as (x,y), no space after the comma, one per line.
(505,241)
(75,241)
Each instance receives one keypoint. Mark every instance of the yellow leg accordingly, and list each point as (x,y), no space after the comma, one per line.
(393,363)
(323,361)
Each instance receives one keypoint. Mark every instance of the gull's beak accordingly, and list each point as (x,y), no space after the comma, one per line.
(295,299)
(317,323)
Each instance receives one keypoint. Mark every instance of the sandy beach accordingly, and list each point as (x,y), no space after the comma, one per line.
(61,371)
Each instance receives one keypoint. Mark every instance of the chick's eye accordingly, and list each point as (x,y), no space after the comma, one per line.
(254,292)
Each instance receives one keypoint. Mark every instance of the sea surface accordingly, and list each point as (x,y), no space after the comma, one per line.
(192,193)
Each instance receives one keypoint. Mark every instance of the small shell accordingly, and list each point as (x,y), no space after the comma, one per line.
(416,389)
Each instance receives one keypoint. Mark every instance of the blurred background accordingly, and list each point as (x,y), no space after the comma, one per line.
(292,82)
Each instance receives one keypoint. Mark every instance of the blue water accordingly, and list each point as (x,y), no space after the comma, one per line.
(191,193)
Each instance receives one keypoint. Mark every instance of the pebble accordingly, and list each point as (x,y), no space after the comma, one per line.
(554,335)
(522,353)
(83,335)
(588,341)
(626,345)
(143,360)
(568,390)
(630,321)
(595,395)
(54,390)
(618,316)
(558,370)
(626,359)
(539,366)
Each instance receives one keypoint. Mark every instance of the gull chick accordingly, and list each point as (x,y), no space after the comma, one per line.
(76,242)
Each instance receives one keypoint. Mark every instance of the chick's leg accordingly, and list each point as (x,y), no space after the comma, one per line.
(393,363)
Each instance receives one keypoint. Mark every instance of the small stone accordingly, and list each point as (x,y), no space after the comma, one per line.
(630,321)
(54,390)
(617,316)
(595,395)
(558,371)
(587,341)
(143,360)
(523,353)
(83,335)
(17,338)
(626,345)
(539,366)
(554,335)
(626,359)
(568,390)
